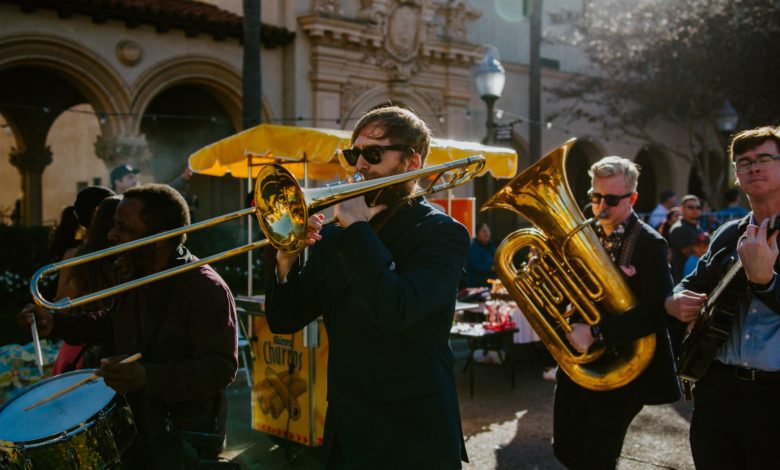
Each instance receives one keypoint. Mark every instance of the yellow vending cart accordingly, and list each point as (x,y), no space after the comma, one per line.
(289,381)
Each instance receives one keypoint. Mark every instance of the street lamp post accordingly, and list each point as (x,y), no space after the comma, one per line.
(726,120)
(490,78)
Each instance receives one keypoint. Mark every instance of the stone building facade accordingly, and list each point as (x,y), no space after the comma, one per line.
(88,84)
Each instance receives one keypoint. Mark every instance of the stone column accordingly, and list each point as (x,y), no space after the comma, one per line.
(31,163)
(116,150)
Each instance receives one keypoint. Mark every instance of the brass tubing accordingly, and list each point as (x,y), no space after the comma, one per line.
(297,199)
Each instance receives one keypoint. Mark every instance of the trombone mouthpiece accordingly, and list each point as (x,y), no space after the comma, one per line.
(603,214)
(356,178)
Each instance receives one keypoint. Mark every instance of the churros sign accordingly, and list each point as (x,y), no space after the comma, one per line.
(286,399)
(280,391)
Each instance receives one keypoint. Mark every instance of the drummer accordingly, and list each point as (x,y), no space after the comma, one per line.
(185,327)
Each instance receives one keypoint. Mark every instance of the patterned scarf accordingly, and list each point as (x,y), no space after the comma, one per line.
(613,242)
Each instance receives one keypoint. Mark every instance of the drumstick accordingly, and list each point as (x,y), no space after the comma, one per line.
(37,345)
(78,384)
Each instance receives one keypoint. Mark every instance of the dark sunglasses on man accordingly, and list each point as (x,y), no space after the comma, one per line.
(612,200)
(371,153)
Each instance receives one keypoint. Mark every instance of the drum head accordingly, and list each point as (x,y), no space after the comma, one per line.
(62,414)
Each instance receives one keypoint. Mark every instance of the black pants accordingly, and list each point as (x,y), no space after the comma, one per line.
(736,423)
(589,427)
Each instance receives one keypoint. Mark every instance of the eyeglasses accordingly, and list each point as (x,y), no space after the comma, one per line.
(612,200)
(761,162)
(371,153)
(693,208)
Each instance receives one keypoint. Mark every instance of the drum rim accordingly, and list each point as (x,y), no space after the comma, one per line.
(67,433)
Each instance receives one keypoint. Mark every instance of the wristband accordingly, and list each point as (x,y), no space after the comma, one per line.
(762,287)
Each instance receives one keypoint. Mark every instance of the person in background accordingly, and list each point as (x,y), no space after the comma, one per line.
(736,413)
(733,209)
(589,426)
(479,263)
(682,236)
(667,200)
(182,184)
(124,177)
(672,217)
(699,248)
(708,221)
(73,224)
(84,279)
(683,233)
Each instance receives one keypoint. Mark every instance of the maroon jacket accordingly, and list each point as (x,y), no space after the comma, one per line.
(185,327)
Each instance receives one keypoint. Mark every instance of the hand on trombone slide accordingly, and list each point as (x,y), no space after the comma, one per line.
(285,261)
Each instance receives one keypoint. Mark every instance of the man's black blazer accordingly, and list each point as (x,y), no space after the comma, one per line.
(387,300)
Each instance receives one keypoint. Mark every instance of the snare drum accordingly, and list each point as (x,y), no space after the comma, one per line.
(89,427)
(10,457)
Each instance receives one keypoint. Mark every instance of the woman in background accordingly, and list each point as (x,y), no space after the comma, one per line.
(87,278)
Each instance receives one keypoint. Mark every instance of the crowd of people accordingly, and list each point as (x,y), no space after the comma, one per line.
(385,278)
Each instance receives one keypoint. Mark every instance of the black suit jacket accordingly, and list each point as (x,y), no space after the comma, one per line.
(651,284)
(387,300)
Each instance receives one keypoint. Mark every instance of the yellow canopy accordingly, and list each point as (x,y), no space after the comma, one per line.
(268,143)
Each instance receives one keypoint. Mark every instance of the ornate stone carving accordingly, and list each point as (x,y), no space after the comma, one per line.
(327,7)
(350,92)
(133,150)
(402,36)
(435,100)
(128,52)
(456,14)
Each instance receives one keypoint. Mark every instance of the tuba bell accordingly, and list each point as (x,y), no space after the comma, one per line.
(572,279)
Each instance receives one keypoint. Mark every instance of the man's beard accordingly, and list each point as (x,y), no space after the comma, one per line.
(390,195)
(134,263)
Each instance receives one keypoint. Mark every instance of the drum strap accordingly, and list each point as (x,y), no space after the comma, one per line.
(72,365)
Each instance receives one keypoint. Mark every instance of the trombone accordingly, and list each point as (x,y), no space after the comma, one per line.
(282,209)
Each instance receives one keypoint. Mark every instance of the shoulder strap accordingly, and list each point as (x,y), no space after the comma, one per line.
(629,243)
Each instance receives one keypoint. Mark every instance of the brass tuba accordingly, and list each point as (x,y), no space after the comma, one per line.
(572,280)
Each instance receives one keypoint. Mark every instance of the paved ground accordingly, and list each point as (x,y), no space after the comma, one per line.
(504,428)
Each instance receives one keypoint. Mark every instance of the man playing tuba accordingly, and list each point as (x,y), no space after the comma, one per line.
(589,426)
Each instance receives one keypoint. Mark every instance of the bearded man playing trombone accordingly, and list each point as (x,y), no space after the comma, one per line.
(385,281)
(590,426)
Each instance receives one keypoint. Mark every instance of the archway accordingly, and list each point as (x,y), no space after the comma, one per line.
(652,163)
(581,156)
(695,184)
(382,97)
(32,99)
(178,121)
(221,81)
(41,76)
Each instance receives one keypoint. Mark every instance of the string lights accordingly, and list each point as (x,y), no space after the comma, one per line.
(513,119)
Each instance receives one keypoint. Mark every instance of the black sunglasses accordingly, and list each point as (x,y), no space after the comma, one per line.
(371,153)
(611,199)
